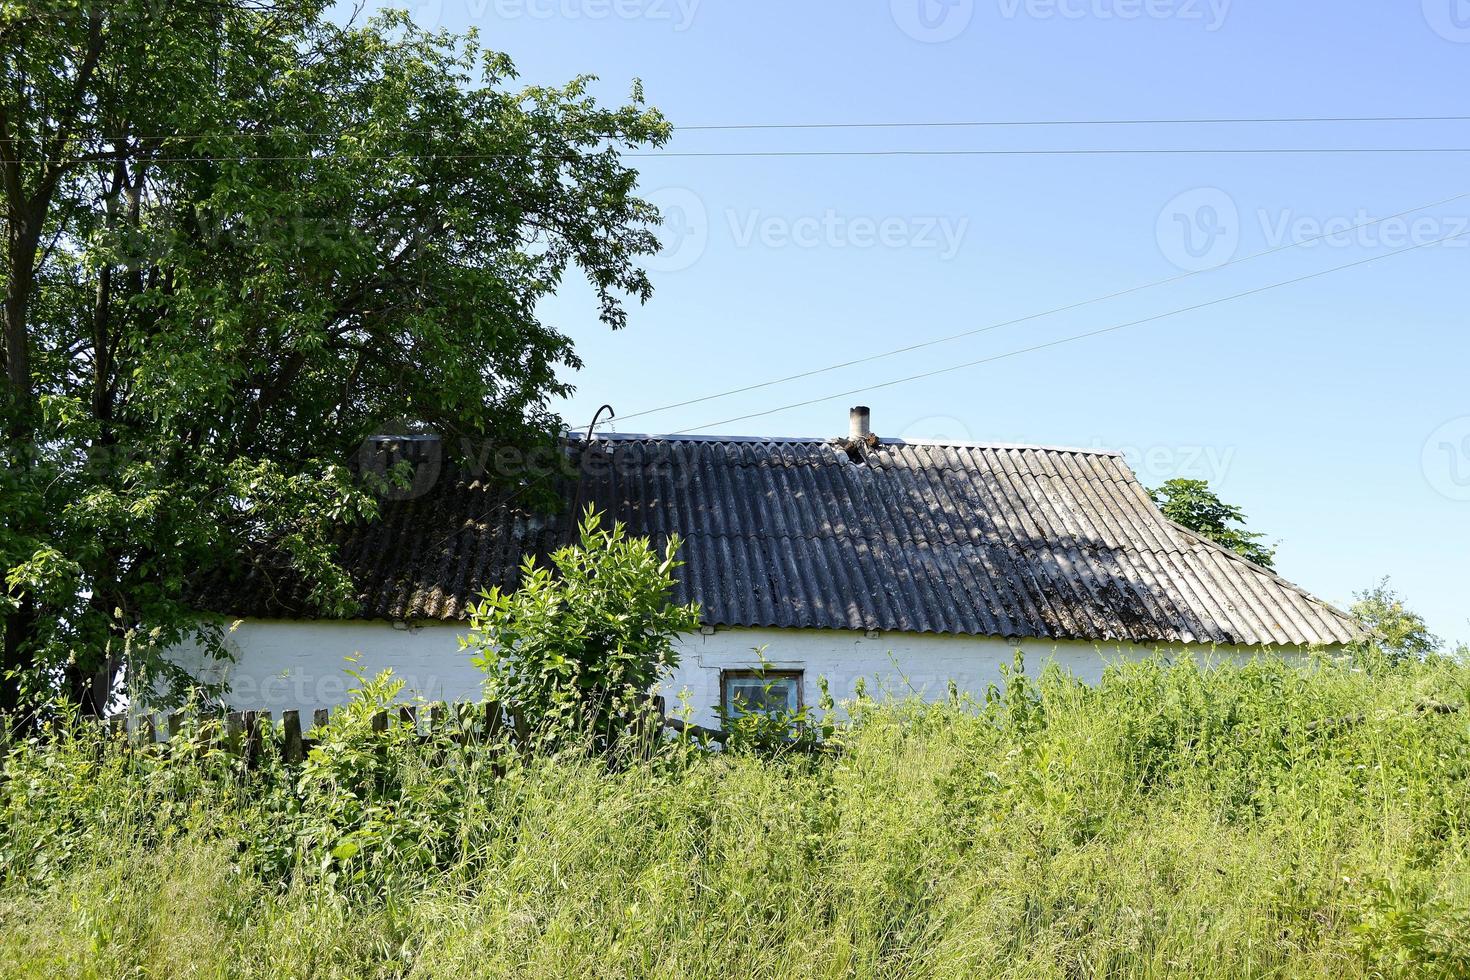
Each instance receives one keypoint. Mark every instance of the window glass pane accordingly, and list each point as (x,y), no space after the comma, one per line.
(762,694)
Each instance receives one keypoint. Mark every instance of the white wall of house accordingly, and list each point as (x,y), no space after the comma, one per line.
(281,664)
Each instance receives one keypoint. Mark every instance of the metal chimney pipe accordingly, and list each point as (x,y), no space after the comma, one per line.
(859,427)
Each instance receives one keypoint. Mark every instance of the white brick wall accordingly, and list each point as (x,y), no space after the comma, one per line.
(285,664)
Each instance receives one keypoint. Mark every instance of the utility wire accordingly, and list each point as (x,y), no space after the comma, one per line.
(934,124)
(1067,340)
(1144,151)
(964,152)
(976,123)
(1032,316)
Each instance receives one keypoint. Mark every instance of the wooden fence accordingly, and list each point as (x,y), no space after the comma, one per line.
(252,734)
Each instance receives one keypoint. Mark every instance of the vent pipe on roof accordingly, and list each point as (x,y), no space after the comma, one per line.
(860,439)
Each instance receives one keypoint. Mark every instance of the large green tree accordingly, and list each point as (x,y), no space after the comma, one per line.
(240,237)
(1194,505)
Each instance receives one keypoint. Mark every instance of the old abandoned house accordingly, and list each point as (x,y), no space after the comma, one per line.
(908,564)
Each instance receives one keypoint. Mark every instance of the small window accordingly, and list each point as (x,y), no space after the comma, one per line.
(768,692)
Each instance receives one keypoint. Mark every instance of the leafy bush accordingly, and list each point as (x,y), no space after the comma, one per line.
(369,806)
(1391,631)
(576,649)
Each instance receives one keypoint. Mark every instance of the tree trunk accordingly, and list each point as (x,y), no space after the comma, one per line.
(25,240)
(16,660)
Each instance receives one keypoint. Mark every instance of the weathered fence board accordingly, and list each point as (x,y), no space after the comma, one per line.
(254,735)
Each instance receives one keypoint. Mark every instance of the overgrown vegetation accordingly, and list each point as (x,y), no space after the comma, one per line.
(1253,820)
(1391,630)
(580,642)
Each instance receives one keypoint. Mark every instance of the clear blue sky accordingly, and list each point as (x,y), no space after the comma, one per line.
(1335,411)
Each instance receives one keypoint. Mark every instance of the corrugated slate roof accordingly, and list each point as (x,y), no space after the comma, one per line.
(1009,541)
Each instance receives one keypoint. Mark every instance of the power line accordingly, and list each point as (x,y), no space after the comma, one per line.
(1032,316)
(899,124)
(1067,340)
(1119,151)
(671,154)
(977,123)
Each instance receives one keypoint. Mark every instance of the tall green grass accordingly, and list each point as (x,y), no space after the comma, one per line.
(1247,821)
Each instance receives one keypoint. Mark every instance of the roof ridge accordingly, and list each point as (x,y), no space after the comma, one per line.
(572,436)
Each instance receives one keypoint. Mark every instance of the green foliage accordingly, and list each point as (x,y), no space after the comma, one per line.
(770,731)
(1391,631)
(1193,504)
(1173,820)
(576,649)
(364,809)
(242,236)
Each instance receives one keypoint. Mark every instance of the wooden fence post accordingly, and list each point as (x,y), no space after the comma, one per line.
(234,731)
(251,749)
(291,749)
(265,736)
